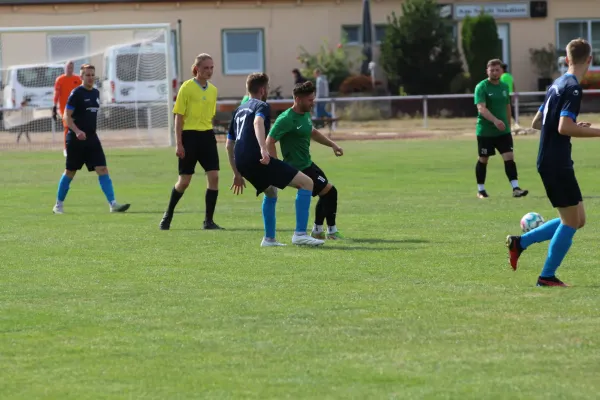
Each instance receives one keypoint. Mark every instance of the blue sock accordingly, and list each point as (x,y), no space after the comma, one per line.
(107,187)
(63,187)
(303,199)
(268,211)
(540,234)
(559,246)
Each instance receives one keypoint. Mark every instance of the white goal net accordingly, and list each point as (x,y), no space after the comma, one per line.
(136,74)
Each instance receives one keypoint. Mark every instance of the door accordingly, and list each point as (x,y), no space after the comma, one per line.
(504,35)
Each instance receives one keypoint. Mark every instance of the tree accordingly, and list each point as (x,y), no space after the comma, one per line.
(419,52)
(334,63)
(480,43)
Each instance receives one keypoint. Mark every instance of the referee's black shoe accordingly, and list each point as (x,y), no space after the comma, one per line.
(165,222)
(210,225)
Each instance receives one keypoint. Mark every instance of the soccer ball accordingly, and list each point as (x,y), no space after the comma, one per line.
(530,221)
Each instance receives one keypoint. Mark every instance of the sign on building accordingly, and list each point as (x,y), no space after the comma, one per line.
(496,10)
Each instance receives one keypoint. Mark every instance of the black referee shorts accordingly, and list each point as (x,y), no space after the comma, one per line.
(200,147)
(561,187)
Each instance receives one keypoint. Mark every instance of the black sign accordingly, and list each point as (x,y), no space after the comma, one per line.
(538,9)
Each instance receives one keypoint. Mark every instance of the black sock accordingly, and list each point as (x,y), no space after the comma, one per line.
(510,167)
(211,203)
(331,206)
(175,196)
(480,172)
(320,211)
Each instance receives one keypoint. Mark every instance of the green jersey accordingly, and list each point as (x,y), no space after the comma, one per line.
(496,100)
(293,131)
(509,80)
(245,99)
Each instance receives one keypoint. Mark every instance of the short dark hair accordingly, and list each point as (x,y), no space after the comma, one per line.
(85,67)
(256,81)
(495,62)
(578,51)
(304,89)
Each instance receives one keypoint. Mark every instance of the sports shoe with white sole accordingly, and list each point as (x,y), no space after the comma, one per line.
(271,243)
(65,152)
(58,209)
(318,235)
(116,207)
(306,240)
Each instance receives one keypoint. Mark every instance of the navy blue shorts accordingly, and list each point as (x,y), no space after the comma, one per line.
(277,173)
(561,187)
(88,152)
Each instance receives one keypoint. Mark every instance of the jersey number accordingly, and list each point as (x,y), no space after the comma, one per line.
(239,122)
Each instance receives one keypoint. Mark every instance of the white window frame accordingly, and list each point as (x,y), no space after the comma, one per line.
(588,36)
(86,41)
(227,70)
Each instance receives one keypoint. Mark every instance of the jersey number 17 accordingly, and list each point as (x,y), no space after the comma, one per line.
(239,123)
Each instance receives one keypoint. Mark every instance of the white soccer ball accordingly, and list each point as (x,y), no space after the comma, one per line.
(530,221)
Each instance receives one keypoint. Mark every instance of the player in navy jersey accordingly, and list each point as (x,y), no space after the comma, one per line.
(250,160)
(82,142)
(557,119)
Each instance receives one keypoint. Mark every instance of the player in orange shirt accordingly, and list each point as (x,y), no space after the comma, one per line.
(63,87)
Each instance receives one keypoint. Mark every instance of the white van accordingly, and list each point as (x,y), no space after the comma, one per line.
(34,83)
(137,73)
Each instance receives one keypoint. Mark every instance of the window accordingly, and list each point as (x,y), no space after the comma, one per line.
(352,34)
(587,29)
(36,77)
(243,51)
(380,32)
(68,47)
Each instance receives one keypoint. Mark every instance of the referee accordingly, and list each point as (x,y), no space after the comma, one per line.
(194,110)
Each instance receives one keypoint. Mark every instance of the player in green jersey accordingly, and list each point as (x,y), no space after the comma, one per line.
(507,78)
(493,128)
(294,130)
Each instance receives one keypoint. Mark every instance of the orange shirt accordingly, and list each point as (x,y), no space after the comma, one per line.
(63,87)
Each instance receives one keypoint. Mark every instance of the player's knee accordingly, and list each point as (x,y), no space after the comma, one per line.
(271,192)
(102,170)
(213,179)
(70,174)
(305,183)
(183,182)
(483,160)
(508,156)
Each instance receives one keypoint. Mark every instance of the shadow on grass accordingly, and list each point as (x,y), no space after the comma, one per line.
(160,212)
(388,241)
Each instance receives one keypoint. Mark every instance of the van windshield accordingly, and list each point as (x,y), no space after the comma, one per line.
(141,67)
(37,77)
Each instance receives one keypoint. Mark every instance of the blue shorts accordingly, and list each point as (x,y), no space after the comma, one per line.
(277,173)
(561,187)
(88,152)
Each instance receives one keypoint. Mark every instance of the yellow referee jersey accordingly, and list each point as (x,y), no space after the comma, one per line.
(198,105)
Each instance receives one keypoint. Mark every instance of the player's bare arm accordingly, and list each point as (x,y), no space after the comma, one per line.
(271,148)
(71,124)
(508,113)
(537,121)
(568,127)
(261,137)
(318,137)
(179,151)
(485,113)
(239,183)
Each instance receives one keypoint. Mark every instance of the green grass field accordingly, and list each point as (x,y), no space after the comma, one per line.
(417,303)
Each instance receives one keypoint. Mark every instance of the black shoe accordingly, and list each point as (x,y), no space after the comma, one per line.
(482,194)
(550,281)
(210,225)
(518,192)
(165,222)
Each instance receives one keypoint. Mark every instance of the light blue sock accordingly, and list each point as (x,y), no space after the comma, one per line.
(107,187)
(303,199)
(559,246)
(268,211)
(63,187)
(540,234)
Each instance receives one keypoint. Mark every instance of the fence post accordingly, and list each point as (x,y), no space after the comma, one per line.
(333,124)
(516,116)
(425,111)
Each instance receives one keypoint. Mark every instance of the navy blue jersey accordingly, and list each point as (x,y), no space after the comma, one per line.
(241,130)
(85,104)
(562,100)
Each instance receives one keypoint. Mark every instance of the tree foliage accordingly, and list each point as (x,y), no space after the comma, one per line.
(419,52)
(480,43)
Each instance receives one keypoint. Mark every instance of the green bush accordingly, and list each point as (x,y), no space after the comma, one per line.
(480,43)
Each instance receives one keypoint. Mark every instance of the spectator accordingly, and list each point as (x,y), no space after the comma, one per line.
(507,78)
(322,93)
(298,78)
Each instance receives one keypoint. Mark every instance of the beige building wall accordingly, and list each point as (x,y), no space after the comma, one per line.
(287,25)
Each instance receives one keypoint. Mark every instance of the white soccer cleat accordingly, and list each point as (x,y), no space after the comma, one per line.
(306,240)
(271,243)
(58,209)
(116,207)
(65,152)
